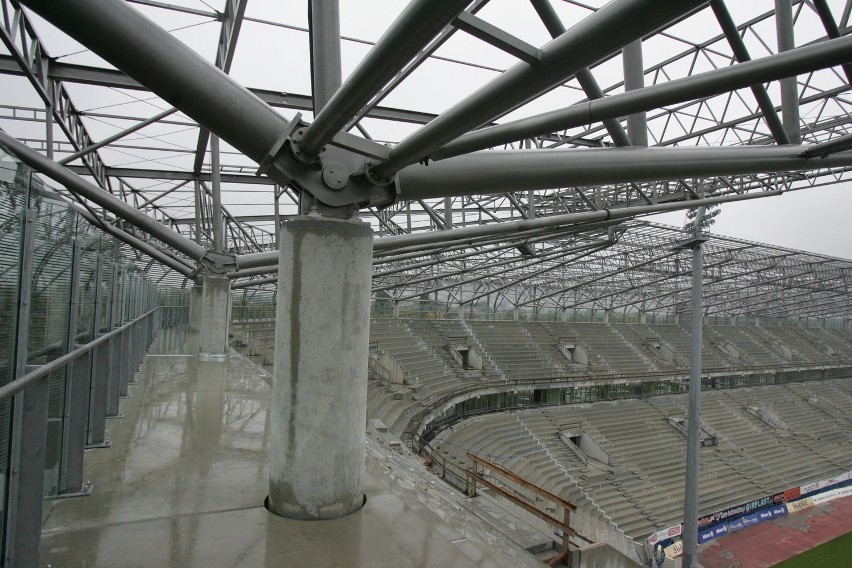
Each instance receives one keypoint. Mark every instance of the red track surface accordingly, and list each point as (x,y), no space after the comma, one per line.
(769,543)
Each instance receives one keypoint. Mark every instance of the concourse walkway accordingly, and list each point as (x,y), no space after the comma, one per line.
(184,480)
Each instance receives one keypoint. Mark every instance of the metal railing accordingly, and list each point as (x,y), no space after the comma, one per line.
(97,375)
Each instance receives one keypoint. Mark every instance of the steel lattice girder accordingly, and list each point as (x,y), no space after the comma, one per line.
(530,182)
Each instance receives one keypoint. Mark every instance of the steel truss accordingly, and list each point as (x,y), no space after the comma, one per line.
(456,198)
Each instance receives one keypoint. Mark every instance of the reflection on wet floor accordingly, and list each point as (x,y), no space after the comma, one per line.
(184,480)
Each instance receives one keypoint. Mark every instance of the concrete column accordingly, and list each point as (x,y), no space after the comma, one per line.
(319,389)
(643,317)
(215,318)
(516,314)
(396,310)
(195,298)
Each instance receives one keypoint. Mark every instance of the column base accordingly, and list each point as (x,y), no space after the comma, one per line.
(333,511)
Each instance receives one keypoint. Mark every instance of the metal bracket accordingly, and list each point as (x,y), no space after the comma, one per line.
(285,134)
(85,491)
(216,263)
(336,177)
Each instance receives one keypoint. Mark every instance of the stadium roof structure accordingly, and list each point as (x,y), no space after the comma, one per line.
(498,148)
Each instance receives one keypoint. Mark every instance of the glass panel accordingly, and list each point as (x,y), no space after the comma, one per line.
(54,229)
(89,243)
(107,277)
(12,206)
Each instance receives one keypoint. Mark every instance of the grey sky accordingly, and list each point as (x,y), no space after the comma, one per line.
(272,57)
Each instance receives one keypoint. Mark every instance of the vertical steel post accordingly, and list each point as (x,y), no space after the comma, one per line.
(690,516)
(530,205)
(113,355)
(326,74)
(76,394)
(27,473)
(28,440)
(100,371)
(13,496)
(738,47)
(276,195)
(587,81)
(48,115)
(197,185)
(448,213)
(634,78)
(124,336)
(789,85)
(216,194)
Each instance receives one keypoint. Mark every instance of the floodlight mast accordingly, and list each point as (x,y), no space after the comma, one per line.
(700,221)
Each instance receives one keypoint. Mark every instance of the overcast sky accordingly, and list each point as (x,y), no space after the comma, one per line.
(814,220)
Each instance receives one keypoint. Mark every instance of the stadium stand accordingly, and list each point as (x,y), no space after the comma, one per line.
(620,461)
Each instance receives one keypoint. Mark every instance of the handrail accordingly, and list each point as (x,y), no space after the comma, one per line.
(442,398)
(9,390)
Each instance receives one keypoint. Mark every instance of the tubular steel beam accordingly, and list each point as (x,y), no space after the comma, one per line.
(324,40)
(87,75)
(232,22)
(634,79)
(789,86)
(831,30)
(216,218)
(415,27)
(587,81)
(119,208)
(801,60)
(607,30)
(34,62)
(163,258)
(498,38)
(176,73)
(257,260)
(117,136)
(741,54)
(514,170)
(833,146)
(169,68)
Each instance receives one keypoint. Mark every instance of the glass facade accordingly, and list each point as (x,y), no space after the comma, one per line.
(63,282)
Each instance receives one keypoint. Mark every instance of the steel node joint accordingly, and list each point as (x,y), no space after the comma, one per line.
(216,264)
(335,176)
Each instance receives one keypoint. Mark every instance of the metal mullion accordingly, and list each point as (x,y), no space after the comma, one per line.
(28,438)
(112,356)
(76,391)
(99,370)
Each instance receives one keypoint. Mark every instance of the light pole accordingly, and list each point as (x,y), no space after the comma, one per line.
(695,228)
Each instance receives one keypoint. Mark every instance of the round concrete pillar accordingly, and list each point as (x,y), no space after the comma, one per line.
(214,318)
(319,389)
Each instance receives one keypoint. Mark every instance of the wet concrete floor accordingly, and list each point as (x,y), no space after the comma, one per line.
(184,480)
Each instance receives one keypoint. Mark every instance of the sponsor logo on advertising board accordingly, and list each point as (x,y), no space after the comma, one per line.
(674,550)
(719,516)
(800,505)
(792,494)
(665,534)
